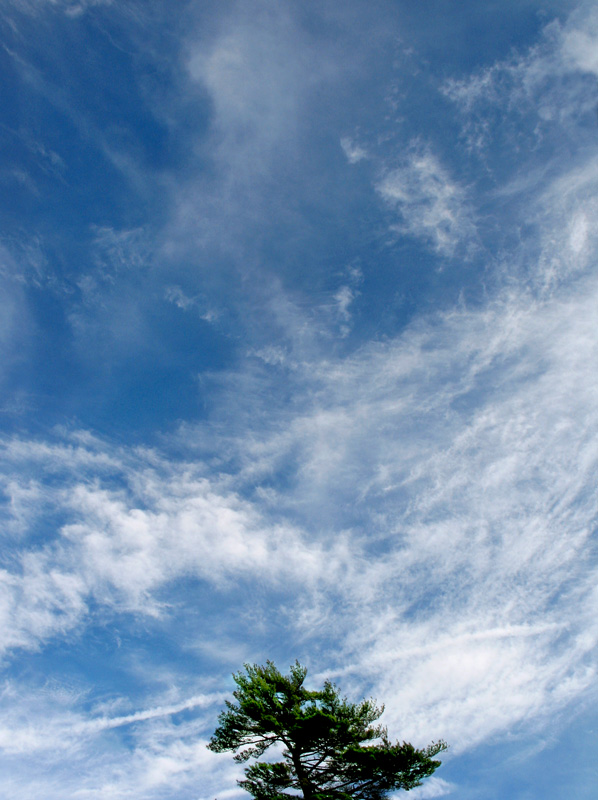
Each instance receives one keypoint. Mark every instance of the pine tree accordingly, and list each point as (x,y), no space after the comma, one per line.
(331,748)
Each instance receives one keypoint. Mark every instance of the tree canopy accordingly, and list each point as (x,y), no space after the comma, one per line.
(331,749)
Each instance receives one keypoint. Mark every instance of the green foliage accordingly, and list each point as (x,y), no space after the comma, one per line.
(331,748)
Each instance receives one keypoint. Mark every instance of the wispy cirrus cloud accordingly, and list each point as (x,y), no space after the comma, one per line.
(550,83)
(413,514)
(432,206)
(23,733)
(353,151)
(70,7)
(166,752)
(462,457)
(435,787)
(455,461)
(120,545)
(176,295)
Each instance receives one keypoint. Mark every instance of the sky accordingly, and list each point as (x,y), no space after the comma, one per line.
(298,360)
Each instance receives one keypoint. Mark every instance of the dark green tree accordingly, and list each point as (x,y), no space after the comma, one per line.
(331,748)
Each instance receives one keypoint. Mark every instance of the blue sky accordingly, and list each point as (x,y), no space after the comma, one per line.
(299,360)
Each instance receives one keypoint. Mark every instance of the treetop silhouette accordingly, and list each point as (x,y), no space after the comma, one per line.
(331,749)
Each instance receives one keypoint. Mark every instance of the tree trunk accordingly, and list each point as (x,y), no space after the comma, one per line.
(304,781)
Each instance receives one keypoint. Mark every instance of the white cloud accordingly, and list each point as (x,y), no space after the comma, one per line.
(354,152)
(465,450)
(264,73)
(120,249)
(419,515)
(432,206)
(433,787)
(579,42)
(176,295)
(548,83)
(255,70)
(441,487)
(41,601)
(71,8)
(562,209)
(272,355)
(344,297)
(24,732)
(121,545)
(164,749)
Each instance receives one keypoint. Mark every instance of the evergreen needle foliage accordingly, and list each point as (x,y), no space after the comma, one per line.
(331,748)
